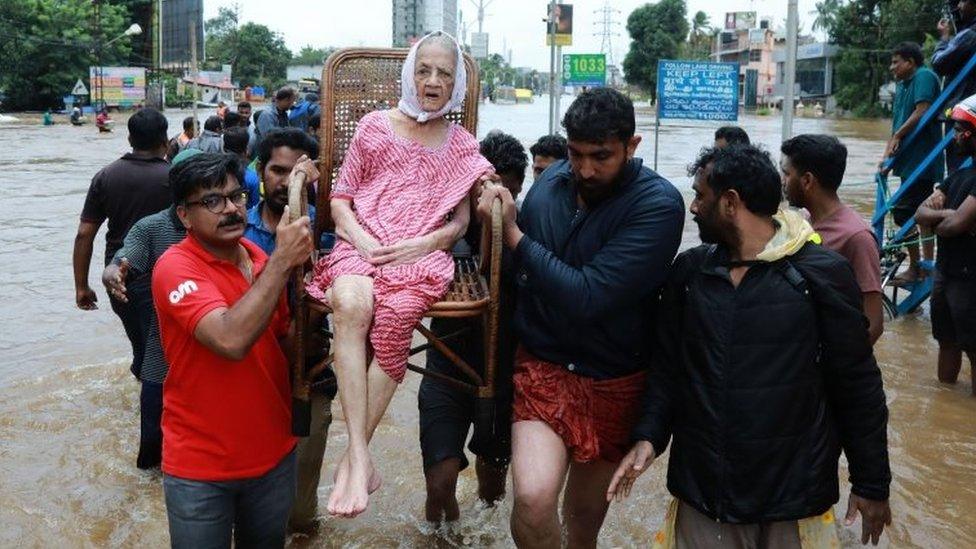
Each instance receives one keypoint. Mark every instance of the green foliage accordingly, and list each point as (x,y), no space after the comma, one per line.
(657,31)
(867,31)
(257,55)
(699,44)
(311,56)
(48,45)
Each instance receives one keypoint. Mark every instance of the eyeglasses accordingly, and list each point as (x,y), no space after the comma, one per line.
(214,203)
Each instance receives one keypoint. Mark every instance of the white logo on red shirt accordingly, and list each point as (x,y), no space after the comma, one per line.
(181,291)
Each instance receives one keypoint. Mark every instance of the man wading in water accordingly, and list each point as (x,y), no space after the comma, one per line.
(763,373)
(592,243)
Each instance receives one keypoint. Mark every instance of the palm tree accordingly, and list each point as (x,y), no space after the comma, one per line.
(826,12)
(700,37)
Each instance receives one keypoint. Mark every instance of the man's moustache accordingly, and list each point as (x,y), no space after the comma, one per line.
(230,220)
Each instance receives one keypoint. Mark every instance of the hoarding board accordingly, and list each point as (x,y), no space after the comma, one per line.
(118,86)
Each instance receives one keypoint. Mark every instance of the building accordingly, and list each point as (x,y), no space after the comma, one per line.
(814,71)
(212,86)
(412,19)
(753,50)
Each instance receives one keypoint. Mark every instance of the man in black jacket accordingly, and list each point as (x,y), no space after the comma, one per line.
(762,373)
(592,245)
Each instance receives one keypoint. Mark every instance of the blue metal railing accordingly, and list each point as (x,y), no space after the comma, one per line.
(919,291)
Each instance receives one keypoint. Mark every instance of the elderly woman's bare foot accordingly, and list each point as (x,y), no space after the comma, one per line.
(350,495)
(375,479)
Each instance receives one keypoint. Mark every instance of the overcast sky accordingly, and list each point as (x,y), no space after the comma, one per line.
(516,24)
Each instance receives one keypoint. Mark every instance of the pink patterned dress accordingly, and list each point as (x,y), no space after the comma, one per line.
(399,189)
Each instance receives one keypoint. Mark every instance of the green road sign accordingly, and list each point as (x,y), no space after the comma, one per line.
(587,69)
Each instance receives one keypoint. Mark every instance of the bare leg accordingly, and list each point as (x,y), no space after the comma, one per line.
(441,503)
(491,481)
(928,246)
(352,304)
(585,504)
(539,464)
(379,391)
(950,362)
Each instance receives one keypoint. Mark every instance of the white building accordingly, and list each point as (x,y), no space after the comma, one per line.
(412,19)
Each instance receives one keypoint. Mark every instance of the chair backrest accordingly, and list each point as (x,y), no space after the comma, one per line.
(356,82)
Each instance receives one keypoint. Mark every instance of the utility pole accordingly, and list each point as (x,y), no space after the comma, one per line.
(196,75)
(481,5)
(792,24)
(553,113)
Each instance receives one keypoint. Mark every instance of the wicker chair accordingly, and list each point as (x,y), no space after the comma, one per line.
(355,82)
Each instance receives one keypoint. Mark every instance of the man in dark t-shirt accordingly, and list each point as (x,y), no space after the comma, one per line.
(951,212)
(122,193)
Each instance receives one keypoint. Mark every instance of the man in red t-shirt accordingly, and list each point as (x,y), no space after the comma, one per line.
(813,167)
(228,452)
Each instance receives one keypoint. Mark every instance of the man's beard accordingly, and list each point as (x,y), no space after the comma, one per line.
(276,202)
(713,231)
(594,193)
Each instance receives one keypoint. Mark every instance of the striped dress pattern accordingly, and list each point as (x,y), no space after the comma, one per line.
(399,189)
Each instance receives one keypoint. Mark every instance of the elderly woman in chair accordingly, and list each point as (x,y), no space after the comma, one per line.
(400,202)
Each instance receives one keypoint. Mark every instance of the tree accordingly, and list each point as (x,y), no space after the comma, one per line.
(657,31)
(257,55)
(311,56)
(48,45)
(700,39)
(867,31)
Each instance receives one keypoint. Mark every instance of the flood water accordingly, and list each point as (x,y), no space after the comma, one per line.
(69,407)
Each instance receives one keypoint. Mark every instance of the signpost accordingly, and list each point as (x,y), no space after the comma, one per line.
(119,86)
(588,69)
(696,90)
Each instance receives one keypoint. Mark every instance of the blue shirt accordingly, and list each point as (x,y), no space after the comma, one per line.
(258,233)
(588,277)
(922,87)
(252,183)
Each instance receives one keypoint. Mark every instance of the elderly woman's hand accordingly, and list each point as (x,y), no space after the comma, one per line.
(403,252)
(307,166)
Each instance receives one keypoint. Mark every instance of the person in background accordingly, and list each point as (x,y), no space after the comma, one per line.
(122,193)
(730,135)
(275,116)
(812,169)
(762,373)
(951,212)
(546,151)
(127,278)
(210,140)
(235,142)
(949,58)
(244,110)
(179,141)
(304,111)
(102,121)
(231,120)
(313,126)
(221,109)
(917,88)
(446,414)
(281,150)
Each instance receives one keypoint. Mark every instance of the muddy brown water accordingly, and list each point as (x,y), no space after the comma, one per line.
(69,407)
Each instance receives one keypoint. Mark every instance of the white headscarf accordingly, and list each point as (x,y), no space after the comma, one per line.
(410,104)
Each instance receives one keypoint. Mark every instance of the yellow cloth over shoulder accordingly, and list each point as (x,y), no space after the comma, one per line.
(792,232)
